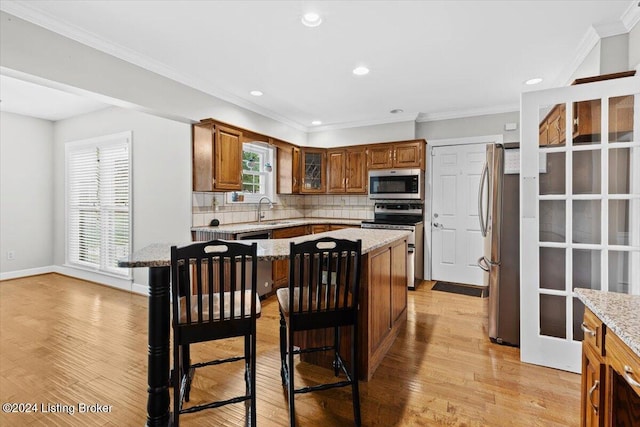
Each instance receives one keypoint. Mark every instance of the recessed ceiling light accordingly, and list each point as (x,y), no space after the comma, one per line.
(534,81)
(256,93)
(316,122)
(360,71)
(397,111)
(311,19)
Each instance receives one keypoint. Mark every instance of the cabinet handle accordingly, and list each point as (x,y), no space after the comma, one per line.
(586,330)
(628,372)
(591,390)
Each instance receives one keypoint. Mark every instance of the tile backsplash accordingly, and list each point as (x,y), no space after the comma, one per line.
(207,206)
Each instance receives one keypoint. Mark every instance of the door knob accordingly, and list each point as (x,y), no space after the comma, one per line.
(438,225)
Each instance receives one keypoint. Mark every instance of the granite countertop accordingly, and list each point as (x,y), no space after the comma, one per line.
(620,312)
(159,254)
(272,224)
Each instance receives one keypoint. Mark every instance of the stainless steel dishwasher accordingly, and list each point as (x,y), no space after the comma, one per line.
(265,278)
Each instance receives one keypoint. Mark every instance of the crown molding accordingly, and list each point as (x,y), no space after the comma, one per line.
(397,118)
(38,17)
(631,16)
(472,112)
(586,45)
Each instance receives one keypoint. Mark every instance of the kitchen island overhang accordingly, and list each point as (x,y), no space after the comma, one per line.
(383,301)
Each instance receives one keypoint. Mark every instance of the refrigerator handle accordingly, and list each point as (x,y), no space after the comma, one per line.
(482,263)
(483,178)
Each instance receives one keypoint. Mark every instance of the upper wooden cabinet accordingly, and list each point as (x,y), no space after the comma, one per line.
(288,168)
(217,157)
(313,161)
(404,154)
(346,170)
(227,150)
(586,118)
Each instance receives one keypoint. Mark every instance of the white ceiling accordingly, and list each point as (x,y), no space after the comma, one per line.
(30,99)
(433,59)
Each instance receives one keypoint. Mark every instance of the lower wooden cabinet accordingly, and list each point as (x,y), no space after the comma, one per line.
(280,268)
(610,378)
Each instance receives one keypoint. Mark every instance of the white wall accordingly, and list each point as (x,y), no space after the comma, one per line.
(399,131)
(28,48)
(471,126)
(590,66)
(614,55)
(634,48)
(26,193)
(161,153)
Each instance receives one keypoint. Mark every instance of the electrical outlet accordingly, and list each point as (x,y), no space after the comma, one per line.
(11,255)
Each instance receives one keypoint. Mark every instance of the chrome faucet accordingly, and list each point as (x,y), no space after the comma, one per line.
(260,214)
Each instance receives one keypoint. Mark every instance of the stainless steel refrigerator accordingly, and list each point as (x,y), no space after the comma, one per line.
(499,215)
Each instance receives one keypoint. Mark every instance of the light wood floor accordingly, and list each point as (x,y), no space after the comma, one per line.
(65,341)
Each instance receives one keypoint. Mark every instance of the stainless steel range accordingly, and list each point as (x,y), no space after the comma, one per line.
(403,215)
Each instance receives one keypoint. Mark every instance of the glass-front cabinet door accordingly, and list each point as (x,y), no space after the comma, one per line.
(313,170)
(580,210)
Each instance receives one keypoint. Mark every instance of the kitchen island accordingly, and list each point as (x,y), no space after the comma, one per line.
(383,301)
(610,358)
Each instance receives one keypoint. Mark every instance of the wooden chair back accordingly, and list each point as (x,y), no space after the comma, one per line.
(214,290)
(324,283)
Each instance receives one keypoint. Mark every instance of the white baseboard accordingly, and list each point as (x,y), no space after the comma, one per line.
(137,288)
(27,272)
(114,282)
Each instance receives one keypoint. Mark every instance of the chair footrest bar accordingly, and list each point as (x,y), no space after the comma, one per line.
(214,404)
(217,362)
(313,349)
(322,387)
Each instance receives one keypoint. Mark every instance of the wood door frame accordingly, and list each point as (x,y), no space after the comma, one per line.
(428,202)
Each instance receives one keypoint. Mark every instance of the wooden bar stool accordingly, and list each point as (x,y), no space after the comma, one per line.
(324,279)
(214,297)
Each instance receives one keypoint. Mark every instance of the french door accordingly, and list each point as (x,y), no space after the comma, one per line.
(580,210)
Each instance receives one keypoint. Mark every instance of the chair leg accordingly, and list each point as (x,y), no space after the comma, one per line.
(336,349)
(283,348)
(176,380)
(254,413)
(355,390)
(290,378)
(186,367)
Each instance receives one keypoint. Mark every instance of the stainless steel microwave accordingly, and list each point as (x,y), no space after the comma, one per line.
(396,184)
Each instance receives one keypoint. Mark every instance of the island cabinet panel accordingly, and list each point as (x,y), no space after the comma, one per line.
(610,377)
(382,313)
(399,287)
(385,301)
(380,298)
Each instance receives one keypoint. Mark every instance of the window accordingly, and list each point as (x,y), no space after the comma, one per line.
(257,173)
(98,203)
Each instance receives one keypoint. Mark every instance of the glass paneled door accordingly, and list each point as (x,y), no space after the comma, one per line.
(580,210)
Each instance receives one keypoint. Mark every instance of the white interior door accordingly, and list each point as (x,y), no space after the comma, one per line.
(579,213)
(455,230)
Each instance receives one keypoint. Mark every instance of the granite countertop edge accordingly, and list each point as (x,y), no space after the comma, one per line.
(620,312)
(243,227)
(158,254)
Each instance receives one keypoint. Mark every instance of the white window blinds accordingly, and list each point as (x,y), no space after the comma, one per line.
(98,202)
